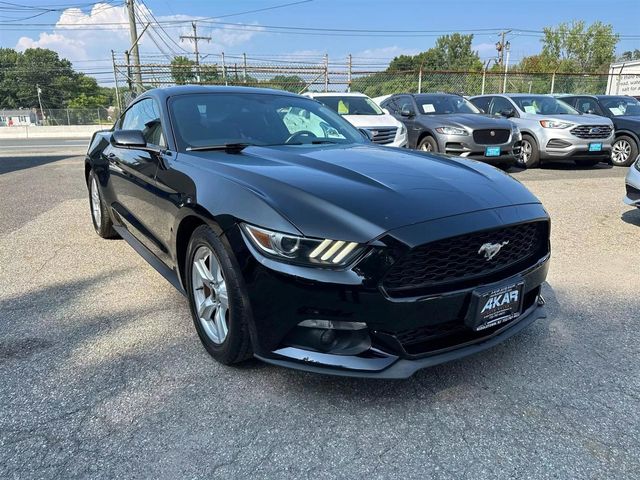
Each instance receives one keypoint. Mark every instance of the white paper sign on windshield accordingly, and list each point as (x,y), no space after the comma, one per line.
(530,109)
(428,108)
(616,111)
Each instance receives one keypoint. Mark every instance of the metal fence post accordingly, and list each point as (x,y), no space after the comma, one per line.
(224,69)
(68,119)
(420,80)
(484,79)
(553,82)
(326,72)
(244,60)
(99,121)
(349,73)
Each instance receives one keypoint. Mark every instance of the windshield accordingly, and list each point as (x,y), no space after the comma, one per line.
(618,106)
(443,104)
(543,105)
(207,119)
(347,105)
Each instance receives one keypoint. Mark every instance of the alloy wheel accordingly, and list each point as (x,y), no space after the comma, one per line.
(525,152)
(426,147)
(620,151)
(210,294)
(95,202)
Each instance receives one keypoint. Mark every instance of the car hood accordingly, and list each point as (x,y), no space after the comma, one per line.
(358,192)
(585,119)
(471,120)
(367,121)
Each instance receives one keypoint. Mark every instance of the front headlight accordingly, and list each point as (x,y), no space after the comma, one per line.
(452,131)
(554,124)
(295,249)
(403,130)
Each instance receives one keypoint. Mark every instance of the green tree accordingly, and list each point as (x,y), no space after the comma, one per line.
(290,83)
(573,46)
(209,74)
(183,70)
(629,55)
(451,52)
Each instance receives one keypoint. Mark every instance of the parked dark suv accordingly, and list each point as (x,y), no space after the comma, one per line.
(448,123)
(624,111)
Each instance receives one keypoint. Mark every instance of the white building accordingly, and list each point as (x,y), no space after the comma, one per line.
(18,118)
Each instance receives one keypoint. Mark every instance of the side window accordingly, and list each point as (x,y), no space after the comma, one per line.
(389,105)
(499,105)
(482,102)
(405,103)
(301,120)
(144,116)
(586,104)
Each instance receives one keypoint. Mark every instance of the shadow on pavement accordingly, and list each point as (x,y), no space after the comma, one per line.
(632,217)
(11,164)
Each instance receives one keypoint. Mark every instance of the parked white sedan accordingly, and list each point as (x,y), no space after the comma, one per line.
(362,112)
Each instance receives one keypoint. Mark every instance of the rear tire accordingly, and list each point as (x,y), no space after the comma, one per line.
(624,151)
(428,144)
(529,154)
(99,213)
(217,296)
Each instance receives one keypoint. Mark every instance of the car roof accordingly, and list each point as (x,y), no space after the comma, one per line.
(167,92)
(335,94)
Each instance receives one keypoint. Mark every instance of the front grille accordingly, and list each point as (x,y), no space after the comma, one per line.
(485,137)
(592,131)
(458,262)
(557,143)
(383,135)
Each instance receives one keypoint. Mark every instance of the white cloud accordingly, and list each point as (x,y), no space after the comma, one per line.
(385,53)
(83,36)
(485,49)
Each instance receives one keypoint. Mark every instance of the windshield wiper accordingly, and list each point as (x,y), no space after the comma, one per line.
(317,142)
(227,147)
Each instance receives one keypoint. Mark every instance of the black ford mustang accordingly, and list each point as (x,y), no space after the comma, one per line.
(298,241)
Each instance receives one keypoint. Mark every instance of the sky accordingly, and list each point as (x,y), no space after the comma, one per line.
(88,44)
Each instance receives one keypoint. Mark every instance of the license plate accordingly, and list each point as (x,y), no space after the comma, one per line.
(495,306)
(595,147)
(492,152)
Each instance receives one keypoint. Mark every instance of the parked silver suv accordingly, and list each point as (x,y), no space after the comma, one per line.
(552,130)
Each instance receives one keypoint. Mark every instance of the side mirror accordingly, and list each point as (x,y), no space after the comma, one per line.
(128,139)
(405,112)
(367,134)
(508,113)
(590,112)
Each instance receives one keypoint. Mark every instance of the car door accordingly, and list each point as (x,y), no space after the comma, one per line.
(406,103)
(132,173)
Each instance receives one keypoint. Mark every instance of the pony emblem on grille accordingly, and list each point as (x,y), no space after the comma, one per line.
(490,250)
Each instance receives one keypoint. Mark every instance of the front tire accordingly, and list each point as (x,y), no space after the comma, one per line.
(624,151)
(529,154)
(99,214)
(217,297)
(428,144)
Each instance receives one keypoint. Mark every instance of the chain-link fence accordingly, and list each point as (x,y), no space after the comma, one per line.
(79,116)
(348,75)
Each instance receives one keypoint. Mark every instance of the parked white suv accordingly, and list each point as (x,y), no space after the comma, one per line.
(362,112)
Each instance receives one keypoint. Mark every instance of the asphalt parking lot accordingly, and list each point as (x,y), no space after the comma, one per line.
(102,375)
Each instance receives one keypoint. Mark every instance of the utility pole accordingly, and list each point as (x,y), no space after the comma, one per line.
(133,34)
(500,46)
(195,39)
(506,68)
(40,101)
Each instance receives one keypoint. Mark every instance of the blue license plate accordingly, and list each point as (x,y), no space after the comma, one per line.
(492,152)
(595,147)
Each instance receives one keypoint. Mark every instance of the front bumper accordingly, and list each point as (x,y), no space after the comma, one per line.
(632,183)
(556,144)
(283,295)
(464,146)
